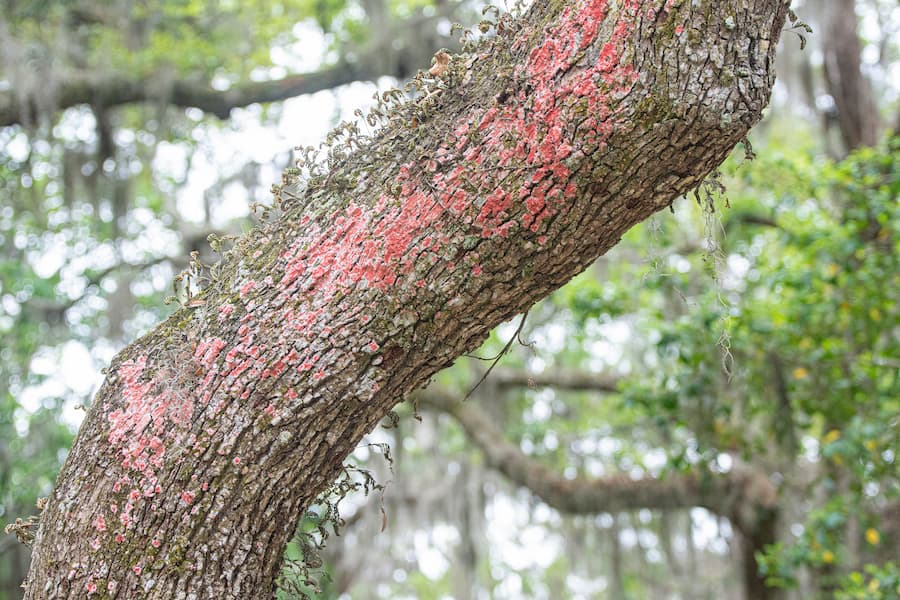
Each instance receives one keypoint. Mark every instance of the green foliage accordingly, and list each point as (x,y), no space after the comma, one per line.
(874,583)
(805,292)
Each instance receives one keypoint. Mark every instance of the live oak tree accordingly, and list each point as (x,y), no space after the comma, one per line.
(517,164)
(744,495)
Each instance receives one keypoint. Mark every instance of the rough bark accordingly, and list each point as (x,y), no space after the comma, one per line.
(529,158)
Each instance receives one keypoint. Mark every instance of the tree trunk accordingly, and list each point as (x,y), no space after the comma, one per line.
(616,568)
(751,542)
(856,109)
(527,159)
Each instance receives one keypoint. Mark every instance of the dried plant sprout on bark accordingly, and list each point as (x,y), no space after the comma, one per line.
(524,159)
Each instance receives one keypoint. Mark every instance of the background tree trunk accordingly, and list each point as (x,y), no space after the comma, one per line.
(528,158)
(857,114)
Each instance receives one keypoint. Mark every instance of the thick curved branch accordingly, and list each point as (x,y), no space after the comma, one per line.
(569,380)
(740,495)
(120,90)
(518,166)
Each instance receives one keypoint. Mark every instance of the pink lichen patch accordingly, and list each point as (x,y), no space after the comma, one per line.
(208,351)
(138,429)
(91,587)
(247,288)
(381,246)
(275,370)
(138,404)
(137,569)
(95,543)
(225,311)
(100,523)
(372,347)
(156,543)
(236,460)
(239,368)
(187,496)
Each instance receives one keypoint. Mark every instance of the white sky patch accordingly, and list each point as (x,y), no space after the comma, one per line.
(432,562)
(654,460)
(708,532)
(17,148)
(608,351)
(586,588)
(50,259)
(304,121)
(9,305)
(724,462)
(31,398)
(70,369)
(170,160)
(679,263)
(77,359)
(515,540)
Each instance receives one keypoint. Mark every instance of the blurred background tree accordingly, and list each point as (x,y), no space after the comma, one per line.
(711,411)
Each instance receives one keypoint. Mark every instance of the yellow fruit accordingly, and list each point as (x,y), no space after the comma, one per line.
(872,536)
(832,436)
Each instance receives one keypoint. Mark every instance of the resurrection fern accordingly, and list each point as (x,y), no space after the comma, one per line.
(304,574)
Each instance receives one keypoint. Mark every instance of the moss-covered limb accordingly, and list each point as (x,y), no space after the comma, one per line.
(508,174)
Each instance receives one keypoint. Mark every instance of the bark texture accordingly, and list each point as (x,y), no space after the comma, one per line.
(526,159)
